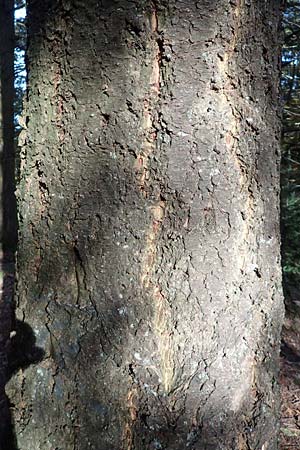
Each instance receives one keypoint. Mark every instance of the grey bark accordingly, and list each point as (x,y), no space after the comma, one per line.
(148,261)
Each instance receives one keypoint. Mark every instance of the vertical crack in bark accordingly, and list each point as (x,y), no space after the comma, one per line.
(231,136)
(78,264)
(161,307)
(133,413)
(150,132)
(226,97)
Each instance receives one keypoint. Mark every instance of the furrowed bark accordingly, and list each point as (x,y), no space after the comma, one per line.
(149,246)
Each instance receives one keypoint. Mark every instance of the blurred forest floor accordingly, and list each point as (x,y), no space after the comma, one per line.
(290,373)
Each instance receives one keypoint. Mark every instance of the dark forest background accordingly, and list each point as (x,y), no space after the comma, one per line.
(290,168)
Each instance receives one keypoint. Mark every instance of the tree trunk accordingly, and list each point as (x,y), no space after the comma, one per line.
(148,262)
(7,208)
(8,202)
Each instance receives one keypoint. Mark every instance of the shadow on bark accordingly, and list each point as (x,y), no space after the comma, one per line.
(6,311)
(8,210)
(17,351)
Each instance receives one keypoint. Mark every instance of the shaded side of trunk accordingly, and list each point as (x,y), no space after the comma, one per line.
(149,245)
(8,208)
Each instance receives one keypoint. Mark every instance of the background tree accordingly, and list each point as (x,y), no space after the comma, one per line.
(148,261)
(290,144)
(290,225)
(7,207)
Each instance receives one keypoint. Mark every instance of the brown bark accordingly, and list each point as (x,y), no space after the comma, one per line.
(148,259)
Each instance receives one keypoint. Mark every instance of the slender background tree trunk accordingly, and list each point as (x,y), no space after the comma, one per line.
(7,44)
(148,261)
(7,208)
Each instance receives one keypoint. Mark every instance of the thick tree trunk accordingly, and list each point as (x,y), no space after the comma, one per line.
(149,248)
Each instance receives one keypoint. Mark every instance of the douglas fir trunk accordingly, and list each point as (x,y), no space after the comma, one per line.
(148,204)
